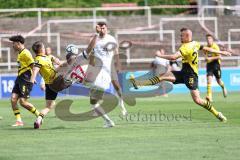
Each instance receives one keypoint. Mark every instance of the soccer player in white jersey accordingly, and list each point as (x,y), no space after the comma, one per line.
(78,71)
(106,50)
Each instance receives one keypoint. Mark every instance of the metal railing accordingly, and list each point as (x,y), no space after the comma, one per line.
(174,19)
(229,37)
(129,60)
(8,63)
(148,10)
(67,21)
(57,35)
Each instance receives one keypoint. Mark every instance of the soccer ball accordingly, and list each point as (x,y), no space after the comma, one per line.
(72,49)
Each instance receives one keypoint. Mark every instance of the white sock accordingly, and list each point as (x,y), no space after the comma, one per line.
(105,117)
(99,110)
(40,118)
(121,104)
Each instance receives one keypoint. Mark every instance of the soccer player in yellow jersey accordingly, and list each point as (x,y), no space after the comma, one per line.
(55,60)
(44,66)
(188,51)
(213,67)
(22,86)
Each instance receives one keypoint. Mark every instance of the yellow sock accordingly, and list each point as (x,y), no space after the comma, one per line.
(35,111)
(151,81)
(208,106)
(209,90)
(17,115)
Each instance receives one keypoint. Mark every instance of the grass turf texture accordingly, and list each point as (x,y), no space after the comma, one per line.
(197,136)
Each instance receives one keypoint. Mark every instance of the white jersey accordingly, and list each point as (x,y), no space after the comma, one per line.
(104,51)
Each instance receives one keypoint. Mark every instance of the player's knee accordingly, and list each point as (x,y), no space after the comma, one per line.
(14,99)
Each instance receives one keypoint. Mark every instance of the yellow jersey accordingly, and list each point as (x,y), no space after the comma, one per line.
(189,52)
(24,61)
(210,54)
(47,69)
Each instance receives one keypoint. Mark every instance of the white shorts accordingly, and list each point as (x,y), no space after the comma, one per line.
(97,77)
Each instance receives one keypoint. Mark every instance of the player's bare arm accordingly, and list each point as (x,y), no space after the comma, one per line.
(34,74)
(92,44)
(91,57)
(213,58)
(169,57)
(211,50)
(117,60)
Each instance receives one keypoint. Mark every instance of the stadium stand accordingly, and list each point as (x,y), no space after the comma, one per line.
(144,45)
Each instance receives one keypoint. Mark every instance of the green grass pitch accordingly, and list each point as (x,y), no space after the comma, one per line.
(192,134)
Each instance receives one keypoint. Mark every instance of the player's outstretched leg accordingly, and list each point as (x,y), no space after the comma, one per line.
(207,105)
(224,90)
(152,81)
(96,96)
(49,105)
(108,123)
(148,82)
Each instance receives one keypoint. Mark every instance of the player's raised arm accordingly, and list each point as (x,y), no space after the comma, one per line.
(213,58)
(211,50)
(168,57)
(92,44)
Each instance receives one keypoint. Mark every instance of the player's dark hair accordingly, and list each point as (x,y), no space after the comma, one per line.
(37,46)
(184,29)
(209,35)
(102,24)
(17,38)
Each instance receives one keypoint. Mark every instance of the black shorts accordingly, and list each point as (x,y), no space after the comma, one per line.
(22,88)
(190,80)
(50,94)
(213,68)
